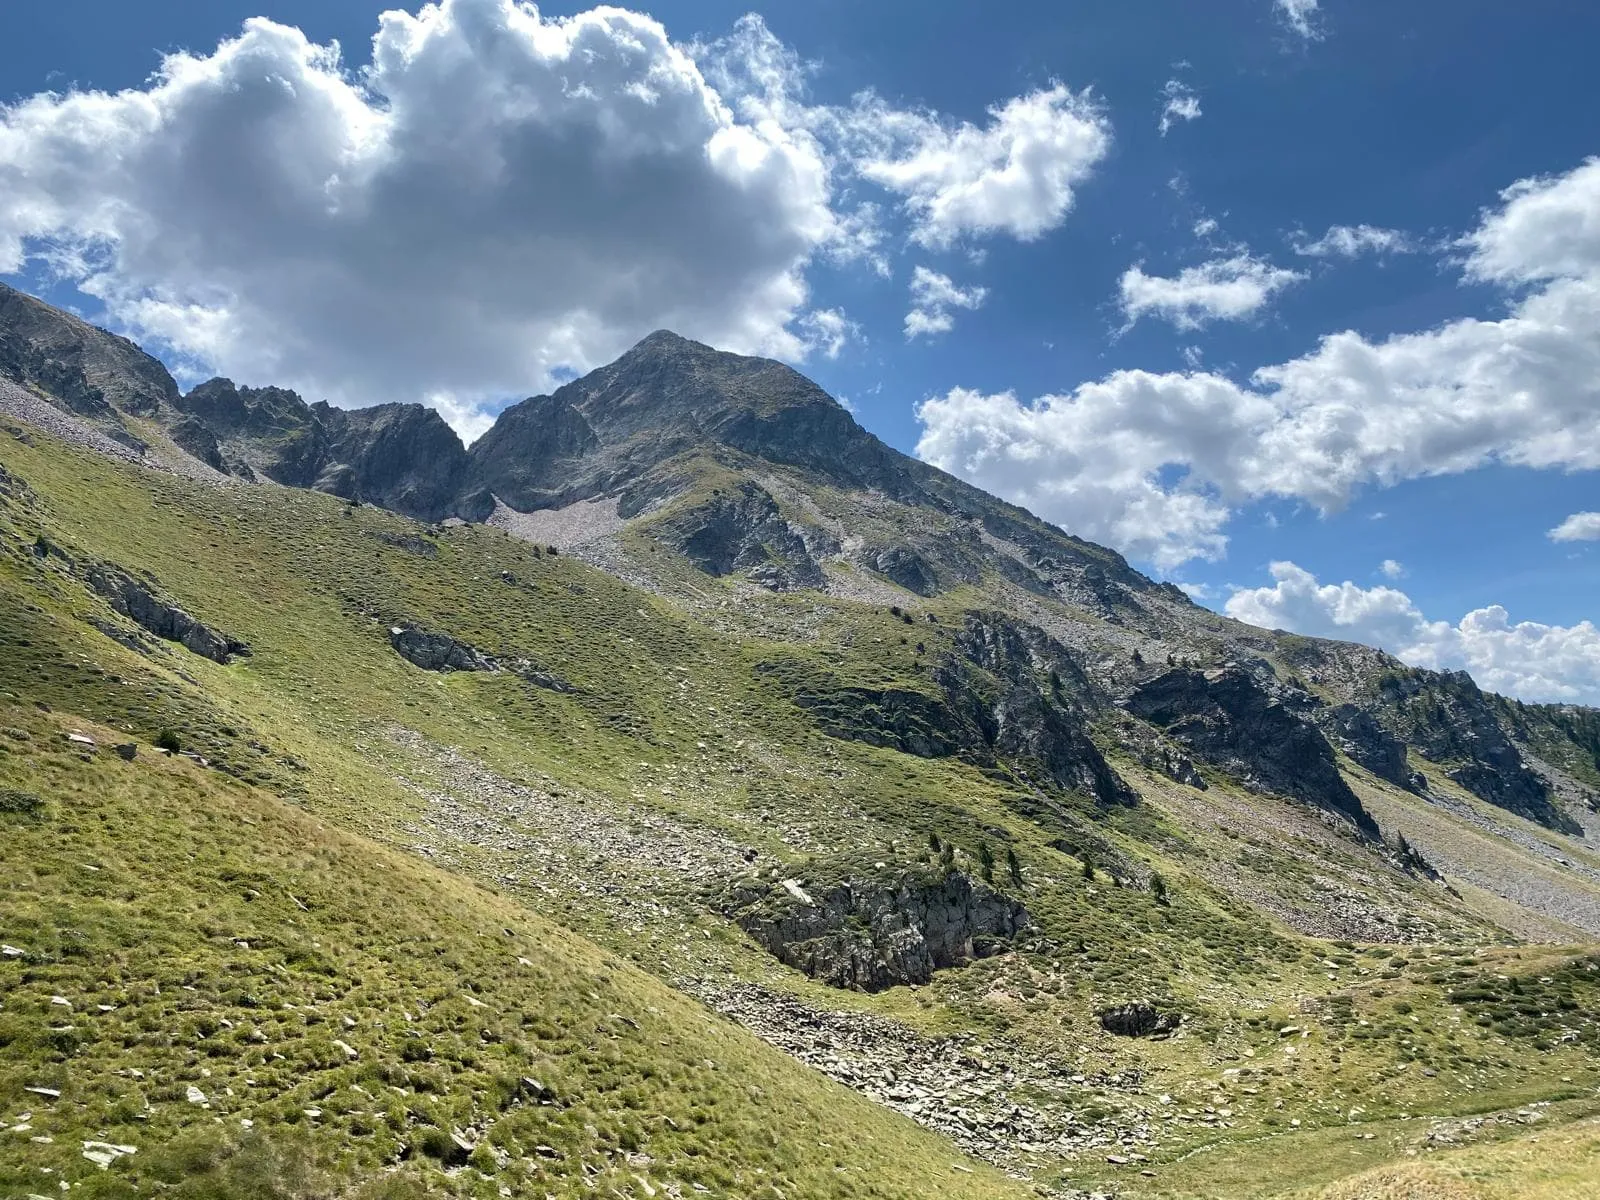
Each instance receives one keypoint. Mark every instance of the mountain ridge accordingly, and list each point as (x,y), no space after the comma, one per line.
(648,432)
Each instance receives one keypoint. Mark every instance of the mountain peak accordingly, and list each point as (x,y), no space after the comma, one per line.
(663,338)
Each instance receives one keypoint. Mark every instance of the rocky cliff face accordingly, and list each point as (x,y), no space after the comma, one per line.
(1453,723)
(400,456)
(868,935)
(1227,717)
(1010,697)
(90,371)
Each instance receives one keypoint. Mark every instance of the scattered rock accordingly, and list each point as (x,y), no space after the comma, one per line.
(103,1154)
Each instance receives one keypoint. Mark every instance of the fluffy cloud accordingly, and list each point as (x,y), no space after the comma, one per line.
(1547,228)
(1225,289)
(1179,103)
(1300,16)
(1090,461)
(1392,568)
(932,297)
(1016,175)
(1352,241)
(1524,659)
(1173,454)
(1579,527)
(498,196)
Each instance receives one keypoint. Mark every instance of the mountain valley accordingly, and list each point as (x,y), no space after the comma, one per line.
(680,792)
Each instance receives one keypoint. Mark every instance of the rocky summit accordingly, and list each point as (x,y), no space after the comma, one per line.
(680,792)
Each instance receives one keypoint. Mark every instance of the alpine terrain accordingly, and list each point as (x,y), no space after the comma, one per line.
(680,793)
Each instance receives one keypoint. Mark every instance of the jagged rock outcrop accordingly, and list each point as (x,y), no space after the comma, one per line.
(742,532)
(91,371)
(1366,742)
(440,652)
(1225,716)
(266,431)
(868,935)
(1039,702)
(400,456)
(1454,723)
(141,603)
(905,567)
(1010,696)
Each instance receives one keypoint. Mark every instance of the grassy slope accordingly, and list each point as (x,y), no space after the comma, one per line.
(205,934)
(672,717)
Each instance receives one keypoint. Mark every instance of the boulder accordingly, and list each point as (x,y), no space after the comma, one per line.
(1139,1020)
(437,651)
(868,935)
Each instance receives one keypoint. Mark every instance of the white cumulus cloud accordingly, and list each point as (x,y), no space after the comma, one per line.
(932,297)
(497,195)
(1547,228)
(1170,456)
(1015,175)
(1091,461)
(1352,241)
(1392,568)
(1224,289)
(1179,103)
(1524,658)
(1579,527)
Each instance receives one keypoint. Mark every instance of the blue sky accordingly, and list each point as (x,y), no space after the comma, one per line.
(1012,158)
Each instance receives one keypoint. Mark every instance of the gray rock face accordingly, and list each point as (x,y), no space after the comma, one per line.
(534,456)
(1452,722)
(1012,696)
(437,651)
(1359,734)
(139,602)
(744,533)
(400,456)
(1226,717)
(868,936)
(1042,699)
(907,568)
(92,371)
(440,652)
